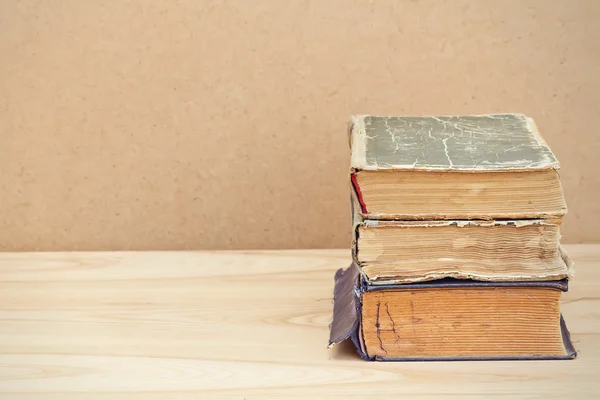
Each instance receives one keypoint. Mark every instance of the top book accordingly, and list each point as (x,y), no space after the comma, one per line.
(477,143)
(453,167)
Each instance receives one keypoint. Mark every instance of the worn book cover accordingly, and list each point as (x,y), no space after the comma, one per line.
(484,143)
(417,322)
(400,252)
(453,167)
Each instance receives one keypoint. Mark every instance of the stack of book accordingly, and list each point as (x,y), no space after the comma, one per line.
(456,243)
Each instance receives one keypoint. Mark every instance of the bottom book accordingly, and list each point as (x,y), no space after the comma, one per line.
(450,319)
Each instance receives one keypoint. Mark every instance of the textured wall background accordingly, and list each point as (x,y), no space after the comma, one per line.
(221,124)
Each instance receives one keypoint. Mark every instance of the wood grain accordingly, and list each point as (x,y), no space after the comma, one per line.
(190,325)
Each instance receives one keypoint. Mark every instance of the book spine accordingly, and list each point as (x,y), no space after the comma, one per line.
(358,151)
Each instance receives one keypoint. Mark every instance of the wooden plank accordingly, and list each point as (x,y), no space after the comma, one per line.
(189,325)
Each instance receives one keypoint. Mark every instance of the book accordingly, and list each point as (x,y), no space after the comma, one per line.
(453,168)
(450,319)
(497,250)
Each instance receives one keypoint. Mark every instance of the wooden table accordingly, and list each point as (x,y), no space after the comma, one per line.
(198,325)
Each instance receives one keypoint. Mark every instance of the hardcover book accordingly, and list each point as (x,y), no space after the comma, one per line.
(450,319)
(453,168)
(485,250)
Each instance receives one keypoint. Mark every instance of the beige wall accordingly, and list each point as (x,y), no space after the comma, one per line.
(212,124)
